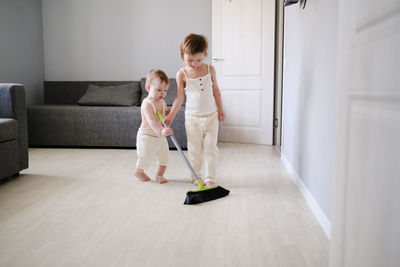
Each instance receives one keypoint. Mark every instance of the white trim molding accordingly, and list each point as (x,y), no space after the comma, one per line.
(308,197)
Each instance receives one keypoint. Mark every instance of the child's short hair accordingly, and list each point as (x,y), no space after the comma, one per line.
(156,74)
(193,44)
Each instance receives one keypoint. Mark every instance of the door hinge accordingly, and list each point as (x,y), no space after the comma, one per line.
(276,123)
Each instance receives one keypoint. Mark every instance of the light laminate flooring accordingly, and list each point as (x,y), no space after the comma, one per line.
(84,207)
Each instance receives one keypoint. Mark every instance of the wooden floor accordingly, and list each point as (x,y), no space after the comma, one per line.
(84,207)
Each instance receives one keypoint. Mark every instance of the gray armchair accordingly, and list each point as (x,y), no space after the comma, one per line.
(13,130)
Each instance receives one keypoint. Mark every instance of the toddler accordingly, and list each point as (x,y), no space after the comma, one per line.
(203,106)
(151,137)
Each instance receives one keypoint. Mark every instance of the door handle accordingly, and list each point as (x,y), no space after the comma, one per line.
(217,59)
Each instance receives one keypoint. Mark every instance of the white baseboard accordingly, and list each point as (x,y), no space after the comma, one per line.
(308,197)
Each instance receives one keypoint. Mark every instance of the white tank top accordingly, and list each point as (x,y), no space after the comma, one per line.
(148,130)
(199,95)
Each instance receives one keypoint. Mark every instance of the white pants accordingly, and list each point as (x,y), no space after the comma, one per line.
(148,146)
(202,137)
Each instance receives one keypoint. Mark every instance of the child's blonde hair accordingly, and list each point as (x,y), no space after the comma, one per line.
(156,74)
(193,44)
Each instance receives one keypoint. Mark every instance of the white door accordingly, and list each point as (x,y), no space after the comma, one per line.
(366,193)
(243,53)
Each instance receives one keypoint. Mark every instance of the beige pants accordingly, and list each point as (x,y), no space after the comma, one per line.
(202,137)
(148,146)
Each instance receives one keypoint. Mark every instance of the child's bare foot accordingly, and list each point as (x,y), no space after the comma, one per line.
(142,176)
(160,174)
(161,180)
(210,184)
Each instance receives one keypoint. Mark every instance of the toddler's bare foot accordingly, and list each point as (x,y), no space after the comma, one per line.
(210,184)
(161,180)
(142,176)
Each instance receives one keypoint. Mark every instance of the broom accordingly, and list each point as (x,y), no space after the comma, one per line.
(204,193)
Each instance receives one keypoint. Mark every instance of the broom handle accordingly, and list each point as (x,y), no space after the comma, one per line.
(160,116)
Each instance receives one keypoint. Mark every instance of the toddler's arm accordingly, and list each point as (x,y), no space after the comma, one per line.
(180,97)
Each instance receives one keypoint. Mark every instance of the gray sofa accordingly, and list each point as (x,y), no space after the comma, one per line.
(61,122)
(13,130)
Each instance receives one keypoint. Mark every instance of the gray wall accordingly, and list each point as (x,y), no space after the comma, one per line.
(118,40)
(21,46)
(94,39)
(309,95)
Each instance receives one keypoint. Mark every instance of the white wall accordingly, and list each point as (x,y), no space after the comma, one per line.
(120,39)
(21,46)
(309,96)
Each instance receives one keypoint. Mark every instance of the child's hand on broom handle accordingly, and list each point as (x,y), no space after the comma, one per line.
(166,132)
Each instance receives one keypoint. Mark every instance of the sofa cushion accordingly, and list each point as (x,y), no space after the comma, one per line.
(67,125)
(92,126)
(121,95)
(169,99)
(8,130)
(69,92)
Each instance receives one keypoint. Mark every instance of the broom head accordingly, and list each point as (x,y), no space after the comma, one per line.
(205,194)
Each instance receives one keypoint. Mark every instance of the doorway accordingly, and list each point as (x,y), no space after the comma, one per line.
(243,51)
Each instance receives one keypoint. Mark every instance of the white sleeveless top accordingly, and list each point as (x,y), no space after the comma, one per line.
(199,95)
(148,130)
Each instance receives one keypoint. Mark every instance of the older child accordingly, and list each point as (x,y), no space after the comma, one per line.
(151,136)
(203,106)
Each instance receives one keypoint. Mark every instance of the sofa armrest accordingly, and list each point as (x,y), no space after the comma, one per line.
(13,106)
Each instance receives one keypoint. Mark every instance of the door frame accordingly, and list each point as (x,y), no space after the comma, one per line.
(279,72)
